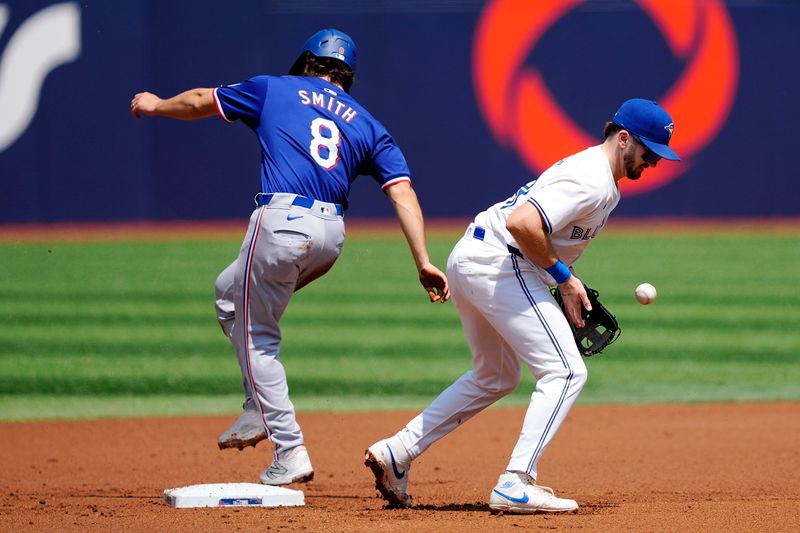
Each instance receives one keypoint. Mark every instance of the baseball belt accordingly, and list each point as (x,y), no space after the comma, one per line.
(482,234)
(295,199)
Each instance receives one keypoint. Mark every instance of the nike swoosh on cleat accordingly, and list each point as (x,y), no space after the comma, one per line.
(294,217)
(524,498)
(397,474)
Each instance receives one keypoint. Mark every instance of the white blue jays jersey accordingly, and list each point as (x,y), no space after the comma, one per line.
(574,198)
(315,138)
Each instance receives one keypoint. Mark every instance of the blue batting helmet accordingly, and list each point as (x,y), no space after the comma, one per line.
(333,43)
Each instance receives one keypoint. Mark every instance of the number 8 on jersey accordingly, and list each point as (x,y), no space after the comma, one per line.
(329,143)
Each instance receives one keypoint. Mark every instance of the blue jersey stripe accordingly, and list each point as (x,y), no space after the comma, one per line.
(548,227)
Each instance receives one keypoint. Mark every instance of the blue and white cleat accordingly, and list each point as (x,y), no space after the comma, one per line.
(390,463)
(517,492)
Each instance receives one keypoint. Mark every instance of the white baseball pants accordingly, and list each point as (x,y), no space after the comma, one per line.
(508,316)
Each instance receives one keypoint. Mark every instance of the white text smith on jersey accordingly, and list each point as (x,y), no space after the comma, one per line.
(328,102)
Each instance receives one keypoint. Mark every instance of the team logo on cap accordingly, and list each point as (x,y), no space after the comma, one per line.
(670,128)
(516,101)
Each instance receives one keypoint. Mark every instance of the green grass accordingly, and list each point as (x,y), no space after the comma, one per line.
(128,328)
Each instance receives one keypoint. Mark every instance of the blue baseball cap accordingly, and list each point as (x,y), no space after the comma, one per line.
(333,43)
(650,123)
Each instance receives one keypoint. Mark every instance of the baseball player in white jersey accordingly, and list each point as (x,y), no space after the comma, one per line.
(500,276)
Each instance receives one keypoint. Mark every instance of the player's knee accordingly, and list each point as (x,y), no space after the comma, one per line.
(223,287)
(225,314)
(499,386)
(573,377)
(223,303)
(507,387)
(579,375)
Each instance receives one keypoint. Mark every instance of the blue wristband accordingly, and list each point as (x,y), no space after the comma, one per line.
(560,272)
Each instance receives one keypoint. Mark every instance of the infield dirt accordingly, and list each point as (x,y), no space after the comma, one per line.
(731,467)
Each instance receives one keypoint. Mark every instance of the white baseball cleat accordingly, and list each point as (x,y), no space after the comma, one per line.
(293,466)
(517,492)
(390,463)
(248,430)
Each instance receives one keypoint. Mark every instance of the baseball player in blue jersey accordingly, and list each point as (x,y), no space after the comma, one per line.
(315,140)
(500,275)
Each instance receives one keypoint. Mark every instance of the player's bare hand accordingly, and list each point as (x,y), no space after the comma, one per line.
(574,295)
(435,283)
(144,104)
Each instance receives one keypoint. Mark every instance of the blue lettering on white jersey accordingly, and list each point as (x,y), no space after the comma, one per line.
(522,191)
(315,138)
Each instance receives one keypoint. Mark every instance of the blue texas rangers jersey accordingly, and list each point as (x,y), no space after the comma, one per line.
(315,138)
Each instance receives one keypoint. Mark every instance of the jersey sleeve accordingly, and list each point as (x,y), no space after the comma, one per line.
(561,201)
(388,164)
(242,101)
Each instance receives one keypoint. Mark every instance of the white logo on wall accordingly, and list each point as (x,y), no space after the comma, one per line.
(46,40)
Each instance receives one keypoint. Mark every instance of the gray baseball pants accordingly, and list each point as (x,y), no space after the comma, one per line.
(290,242)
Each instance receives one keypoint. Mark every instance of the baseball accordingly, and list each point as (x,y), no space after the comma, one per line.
(645,294)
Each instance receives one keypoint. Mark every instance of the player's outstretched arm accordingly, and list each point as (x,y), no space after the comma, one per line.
(189,105)
(409,214)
